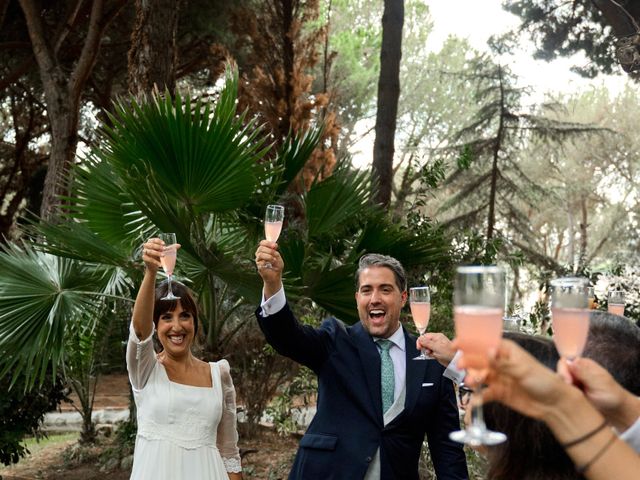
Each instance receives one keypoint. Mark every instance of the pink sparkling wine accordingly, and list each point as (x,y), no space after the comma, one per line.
(478,330)
(272,230)
(168,261)
(420,312)
(616,308)
(570,330)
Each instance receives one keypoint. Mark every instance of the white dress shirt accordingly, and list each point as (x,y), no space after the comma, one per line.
(397,351)
(632,435)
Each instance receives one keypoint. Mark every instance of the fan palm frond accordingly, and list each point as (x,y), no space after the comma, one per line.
(39,293)
(336,201)
(177,160)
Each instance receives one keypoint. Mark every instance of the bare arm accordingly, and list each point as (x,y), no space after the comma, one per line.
(143,308)
(620,407)
(520,382)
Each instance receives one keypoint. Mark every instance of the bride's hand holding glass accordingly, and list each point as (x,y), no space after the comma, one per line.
(152,251)
(160,253)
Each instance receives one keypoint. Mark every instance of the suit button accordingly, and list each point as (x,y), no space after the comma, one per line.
(368,459)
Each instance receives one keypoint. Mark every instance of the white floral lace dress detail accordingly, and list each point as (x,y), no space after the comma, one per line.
(184,432)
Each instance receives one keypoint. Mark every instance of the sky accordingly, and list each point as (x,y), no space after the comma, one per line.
(482,18)
(479,20)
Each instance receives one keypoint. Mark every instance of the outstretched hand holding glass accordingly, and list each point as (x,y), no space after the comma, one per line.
(273,219)
(477,314)
(420,304)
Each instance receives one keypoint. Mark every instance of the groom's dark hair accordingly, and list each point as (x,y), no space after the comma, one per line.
(378,260)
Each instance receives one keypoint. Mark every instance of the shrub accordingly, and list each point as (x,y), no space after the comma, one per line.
(21,413)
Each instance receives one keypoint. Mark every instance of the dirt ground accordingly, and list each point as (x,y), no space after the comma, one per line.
(269,457)
(266,455)
(112,392)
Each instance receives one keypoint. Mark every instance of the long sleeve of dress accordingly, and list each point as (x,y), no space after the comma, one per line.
(141,359)
(227,441)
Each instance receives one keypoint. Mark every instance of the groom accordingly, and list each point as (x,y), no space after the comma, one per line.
(375,404)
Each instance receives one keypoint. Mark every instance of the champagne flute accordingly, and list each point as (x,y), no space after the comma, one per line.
(511,323)
(591,295)
(477,314)
(168,261)
(273,218)
(615,302)
(420,303)
(570,315)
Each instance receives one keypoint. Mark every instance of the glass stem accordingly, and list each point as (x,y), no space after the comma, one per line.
(477,412)
(169,282)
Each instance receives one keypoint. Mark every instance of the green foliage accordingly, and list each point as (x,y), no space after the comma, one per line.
(21,412)
(562,29)
(292,400)
(465,158)
(490,188)
(539,319)
(434,105)
(355,37)
(39,293)
(203,172)
(84,348)
(476,464)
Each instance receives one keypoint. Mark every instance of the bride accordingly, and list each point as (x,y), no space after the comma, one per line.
(186,408)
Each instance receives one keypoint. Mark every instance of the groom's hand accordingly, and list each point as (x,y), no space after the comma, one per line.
(270,266)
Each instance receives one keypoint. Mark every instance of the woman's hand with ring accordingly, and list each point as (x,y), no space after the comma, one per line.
(152,250)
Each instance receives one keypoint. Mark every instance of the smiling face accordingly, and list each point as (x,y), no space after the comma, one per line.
(176,331)
(379,301)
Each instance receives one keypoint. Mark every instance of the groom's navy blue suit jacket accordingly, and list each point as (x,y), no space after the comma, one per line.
(348,427)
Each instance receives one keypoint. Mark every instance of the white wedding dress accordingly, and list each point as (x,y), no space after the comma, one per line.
(184,432)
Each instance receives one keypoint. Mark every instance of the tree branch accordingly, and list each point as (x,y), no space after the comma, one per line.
(89,50)
(41,50)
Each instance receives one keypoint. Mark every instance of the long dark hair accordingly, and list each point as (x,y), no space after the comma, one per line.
(187,303)
(531,452)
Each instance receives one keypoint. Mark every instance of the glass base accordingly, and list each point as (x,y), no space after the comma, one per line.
(476,437)
(423,353)
(423,356)
(170,296)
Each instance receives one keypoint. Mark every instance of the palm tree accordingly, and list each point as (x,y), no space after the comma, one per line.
(206,172)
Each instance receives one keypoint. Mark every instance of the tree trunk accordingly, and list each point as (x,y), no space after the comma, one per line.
(388,94)
(152,57)
(64,114)
(491,220)
(572,240)
(583,225)
(62,88)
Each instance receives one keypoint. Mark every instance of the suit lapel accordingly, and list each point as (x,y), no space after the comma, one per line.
(415,373)
(370,359)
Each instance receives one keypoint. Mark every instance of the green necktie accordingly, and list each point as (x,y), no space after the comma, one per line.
(387,378)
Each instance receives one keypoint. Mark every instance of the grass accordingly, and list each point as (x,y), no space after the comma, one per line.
(34,445)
